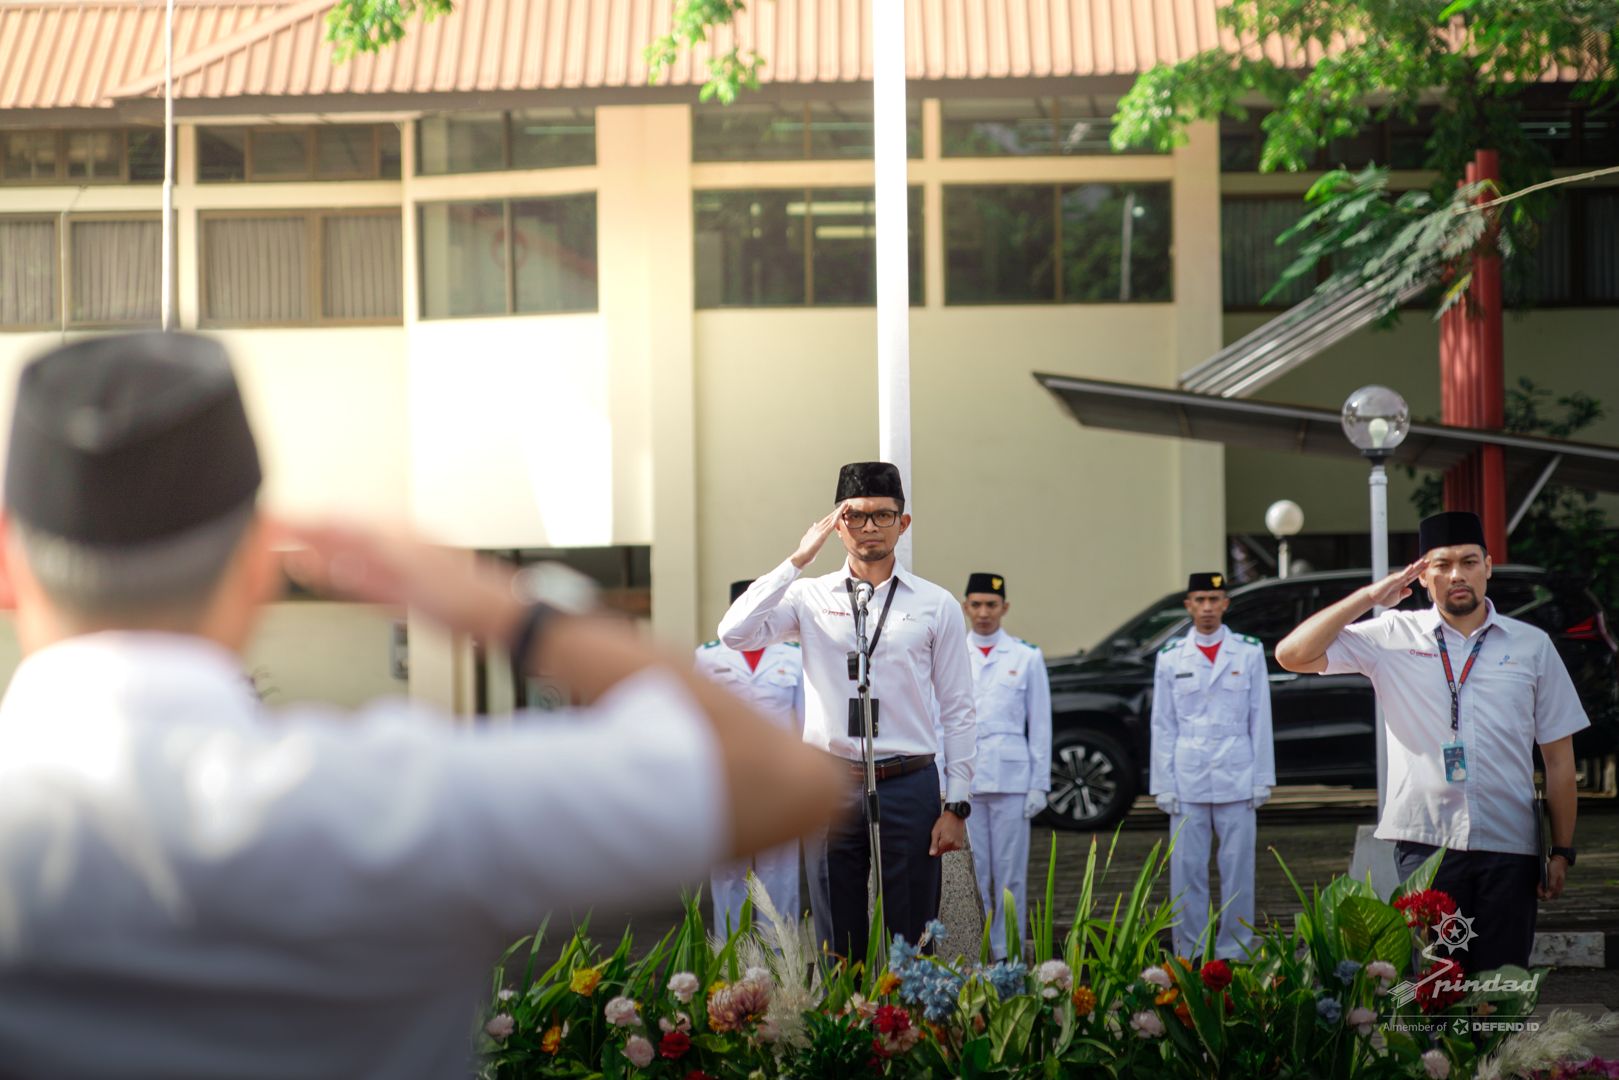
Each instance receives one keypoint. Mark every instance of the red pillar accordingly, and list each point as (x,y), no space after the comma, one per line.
(1473,384)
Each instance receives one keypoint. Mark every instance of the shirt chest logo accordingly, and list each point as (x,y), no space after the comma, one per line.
(1419,652)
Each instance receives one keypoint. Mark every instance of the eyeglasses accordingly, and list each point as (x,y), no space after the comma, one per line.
(884,519)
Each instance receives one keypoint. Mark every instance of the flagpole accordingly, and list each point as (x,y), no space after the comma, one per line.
(893,247)
(166,285)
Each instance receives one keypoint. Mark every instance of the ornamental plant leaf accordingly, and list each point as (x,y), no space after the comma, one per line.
(1421,878)
(1011,1022)
(1372,930)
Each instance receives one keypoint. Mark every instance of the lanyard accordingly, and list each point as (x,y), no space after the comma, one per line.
(1455,683)
(893,587)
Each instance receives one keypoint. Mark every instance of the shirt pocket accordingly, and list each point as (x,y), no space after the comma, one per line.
(1236,682)
(781,678)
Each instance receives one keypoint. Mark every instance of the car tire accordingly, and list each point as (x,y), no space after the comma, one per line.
(1092,782)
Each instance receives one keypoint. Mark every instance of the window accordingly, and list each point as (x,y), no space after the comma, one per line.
(1395,142)
(1050,243)
(793,131)
(794,247)
(114,267)
(319,152)
(1575,261)
(301,267)
(1021,127)
(492,141)
(508,257)
(93,156)
(1251,262)
(28,272)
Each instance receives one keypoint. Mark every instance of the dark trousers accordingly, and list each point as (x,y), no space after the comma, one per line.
(838,860)
(1495,890)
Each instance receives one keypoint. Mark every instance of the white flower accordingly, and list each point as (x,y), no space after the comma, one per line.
(683,985)
(639,1050)
(768,1031)
(1381,969)
(1362,1019)
(681,1022)
(1158,977)
(501,1026)
(1437,1064)
(623,1012)
(1054,977)
(1146,1024)
(506,995)
(756,974)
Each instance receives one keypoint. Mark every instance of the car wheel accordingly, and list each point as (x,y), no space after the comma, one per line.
(1092,782)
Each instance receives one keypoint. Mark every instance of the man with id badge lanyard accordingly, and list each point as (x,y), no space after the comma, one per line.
(1466,693)
(918,649)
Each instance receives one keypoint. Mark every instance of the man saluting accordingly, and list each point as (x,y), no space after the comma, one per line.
(918,657)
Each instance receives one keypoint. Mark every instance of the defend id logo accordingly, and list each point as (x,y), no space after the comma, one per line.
(1454,932)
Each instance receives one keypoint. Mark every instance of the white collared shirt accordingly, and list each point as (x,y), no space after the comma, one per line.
(1013,699)
(193,887)
(775,686)
(1517,694)
(1211,723)
(920,662)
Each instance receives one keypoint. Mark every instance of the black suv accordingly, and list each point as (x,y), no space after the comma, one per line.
(1101,699)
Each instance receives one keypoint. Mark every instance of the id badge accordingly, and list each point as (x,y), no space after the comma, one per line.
(1455,762)
(857,727)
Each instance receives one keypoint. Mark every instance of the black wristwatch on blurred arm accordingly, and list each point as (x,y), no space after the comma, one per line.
(964,810)
(1566,852)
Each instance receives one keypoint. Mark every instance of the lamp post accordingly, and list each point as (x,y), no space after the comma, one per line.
(1375,420)
(1284,518)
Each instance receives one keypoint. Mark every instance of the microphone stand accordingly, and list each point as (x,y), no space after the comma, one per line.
(863,687)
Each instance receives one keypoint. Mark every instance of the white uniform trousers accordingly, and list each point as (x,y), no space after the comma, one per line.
(776,868)
(999,834)
(1193,829)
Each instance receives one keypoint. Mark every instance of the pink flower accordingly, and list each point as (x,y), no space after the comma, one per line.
(1146,1023)
(1362,1018)
(768,1031)
(1381,969)
(623,1012)
(734,1007)
(1437,1064)
(1158,977)
(1055,978)
(681,1022)
(639,1050)
(683,985)
(501,1026)
(506,995)
(860,1006)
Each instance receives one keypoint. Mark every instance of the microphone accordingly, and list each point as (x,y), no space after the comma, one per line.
(863,593)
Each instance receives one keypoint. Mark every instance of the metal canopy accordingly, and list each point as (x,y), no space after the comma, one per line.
(1530,461)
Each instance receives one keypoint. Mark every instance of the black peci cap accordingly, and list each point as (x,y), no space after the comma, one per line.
(986,583)
(128,439)
(1205,583)
(739,587)
(1450,528)
(869,480)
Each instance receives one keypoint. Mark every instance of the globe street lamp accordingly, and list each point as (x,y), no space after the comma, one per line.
(1375,420)
(1283,519)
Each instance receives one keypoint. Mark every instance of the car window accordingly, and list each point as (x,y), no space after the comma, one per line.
(1269,614)
(1143,629)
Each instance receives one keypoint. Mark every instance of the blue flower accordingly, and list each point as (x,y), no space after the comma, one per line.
(1009,978)
(935,930)
(1330,1009)
(1346,970)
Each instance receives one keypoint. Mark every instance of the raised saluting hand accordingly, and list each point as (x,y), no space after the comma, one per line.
(810,546)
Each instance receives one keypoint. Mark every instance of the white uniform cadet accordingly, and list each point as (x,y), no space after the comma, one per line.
(775,687)
(1013,699)
(1211,749)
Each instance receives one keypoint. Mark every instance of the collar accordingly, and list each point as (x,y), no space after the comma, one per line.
(1217,638)
(900,574)
(1431,619)
(995,641)
(131,664)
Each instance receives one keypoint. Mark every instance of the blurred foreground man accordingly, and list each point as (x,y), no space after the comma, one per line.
(1012,770)
(1467,693)
(192,891)
(918,645)
(770,679)
(1213,765)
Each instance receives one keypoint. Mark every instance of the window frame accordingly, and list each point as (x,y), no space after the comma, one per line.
(311,139)
(506,151)
(61,178)
(509,261)
(314,219)
(58,271)
(1054,102)
(1323,268)
(918,152)
(65,265)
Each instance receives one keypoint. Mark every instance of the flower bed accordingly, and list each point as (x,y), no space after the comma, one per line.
(1338,996)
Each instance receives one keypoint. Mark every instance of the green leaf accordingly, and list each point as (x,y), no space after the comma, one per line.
(1012,925)
(1372,930)
(1010,1024)
(1421,878)
(1295,1027)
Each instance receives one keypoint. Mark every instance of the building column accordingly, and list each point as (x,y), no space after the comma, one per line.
(1199,466)
(644,255)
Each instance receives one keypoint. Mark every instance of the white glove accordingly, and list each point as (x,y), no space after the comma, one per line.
(1261,797)
(1169,803)
(1033,803)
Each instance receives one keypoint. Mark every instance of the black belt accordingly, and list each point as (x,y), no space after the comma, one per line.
(889,767)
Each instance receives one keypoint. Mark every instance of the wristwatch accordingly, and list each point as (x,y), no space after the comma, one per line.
(1566,852)
(964,810)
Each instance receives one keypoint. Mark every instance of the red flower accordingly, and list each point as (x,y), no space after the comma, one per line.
(1216,975)
(1426,908)
(698,1074)
(675,1045)
(1443,990)
(891,1020)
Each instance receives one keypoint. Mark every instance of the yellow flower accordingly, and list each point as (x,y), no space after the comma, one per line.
(585,980)
(887,983)
(1084,1001)
(1166,997)
(551,1041)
